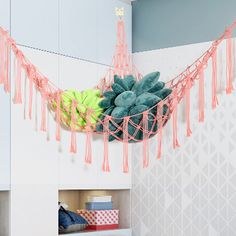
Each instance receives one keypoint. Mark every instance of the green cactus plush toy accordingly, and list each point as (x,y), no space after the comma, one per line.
(129,97)
(88,99)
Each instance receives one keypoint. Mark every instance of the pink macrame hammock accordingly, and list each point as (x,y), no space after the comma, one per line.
(181,86)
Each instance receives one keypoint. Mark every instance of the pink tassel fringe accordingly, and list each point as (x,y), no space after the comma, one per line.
(229,63)
(145,141)
(188,87)
(73,146)
(88,151)
(17,95)
(159,135)
(125,145)
(214,80)
(7,85)
(174,119)
(43,112)
(58,117)
(201,95)
(105,165)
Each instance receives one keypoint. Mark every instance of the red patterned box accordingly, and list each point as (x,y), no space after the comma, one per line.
(101,217)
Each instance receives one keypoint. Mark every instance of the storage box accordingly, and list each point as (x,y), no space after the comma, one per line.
(99,198)
(98,206)
(99,218)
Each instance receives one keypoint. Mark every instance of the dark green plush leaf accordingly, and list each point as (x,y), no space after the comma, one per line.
(158,86)
(117,88)
(105,103)
(119,112)
(125,99)
(130,81)
(121,82)
(147,99)
(109,94)
(163,93)
(99,127)
(146,83)
(136,111)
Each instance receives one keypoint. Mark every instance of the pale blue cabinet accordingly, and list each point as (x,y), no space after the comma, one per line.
(78,28)
(88,28)
(35,23)
(84,29)
(5,14)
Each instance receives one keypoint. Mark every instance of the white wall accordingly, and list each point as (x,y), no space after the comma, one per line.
(191,190)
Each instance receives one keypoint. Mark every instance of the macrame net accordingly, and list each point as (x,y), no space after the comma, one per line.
(136,128)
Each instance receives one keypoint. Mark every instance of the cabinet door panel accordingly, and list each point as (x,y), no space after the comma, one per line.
(5,14)
(35,23)
(78,28)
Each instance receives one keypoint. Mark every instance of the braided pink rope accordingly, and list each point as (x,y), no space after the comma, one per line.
(123,66)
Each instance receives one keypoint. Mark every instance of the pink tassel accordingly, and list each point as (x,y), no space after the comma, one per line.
(201,95)
(17,95)
(25,95)
(214,80)
(36,109)
(43,112)
(58,117)
(174,120)
(229,63)
(73,146)
(125,145)
(2,55)
(30,96)
(188,87)
(7,85)
(145,140)
(88,150)
(160,120)
(105,165)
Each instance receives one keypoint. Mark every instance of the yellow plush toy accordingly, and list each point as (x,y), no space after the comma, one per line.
(87,109)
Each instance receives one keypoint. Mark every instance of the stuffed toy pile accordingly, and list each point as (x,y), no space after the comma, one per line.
(130,97)
(88,99)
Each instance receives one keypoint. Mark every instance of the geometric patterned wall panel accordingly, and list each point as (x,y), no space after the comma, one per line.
(191,191)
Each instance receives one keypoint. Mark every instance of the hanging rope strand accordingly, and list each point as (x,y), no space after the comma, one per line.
(125,145)
(214,79)
(188,88)
(229,68)
(174,118)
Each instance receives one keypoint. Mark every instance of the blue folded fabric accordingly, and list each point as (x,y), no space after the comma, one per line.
(68,218)
(98,206)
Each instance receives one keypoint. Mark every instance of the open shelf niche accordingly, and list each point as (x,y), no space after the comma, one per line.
(76,199)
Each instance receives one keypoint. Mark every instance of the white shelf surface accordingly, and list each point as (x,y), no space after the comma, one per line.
(115,232)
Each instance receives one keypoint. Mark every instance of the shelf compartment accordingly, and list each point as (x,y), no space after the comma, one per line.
(76,199)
